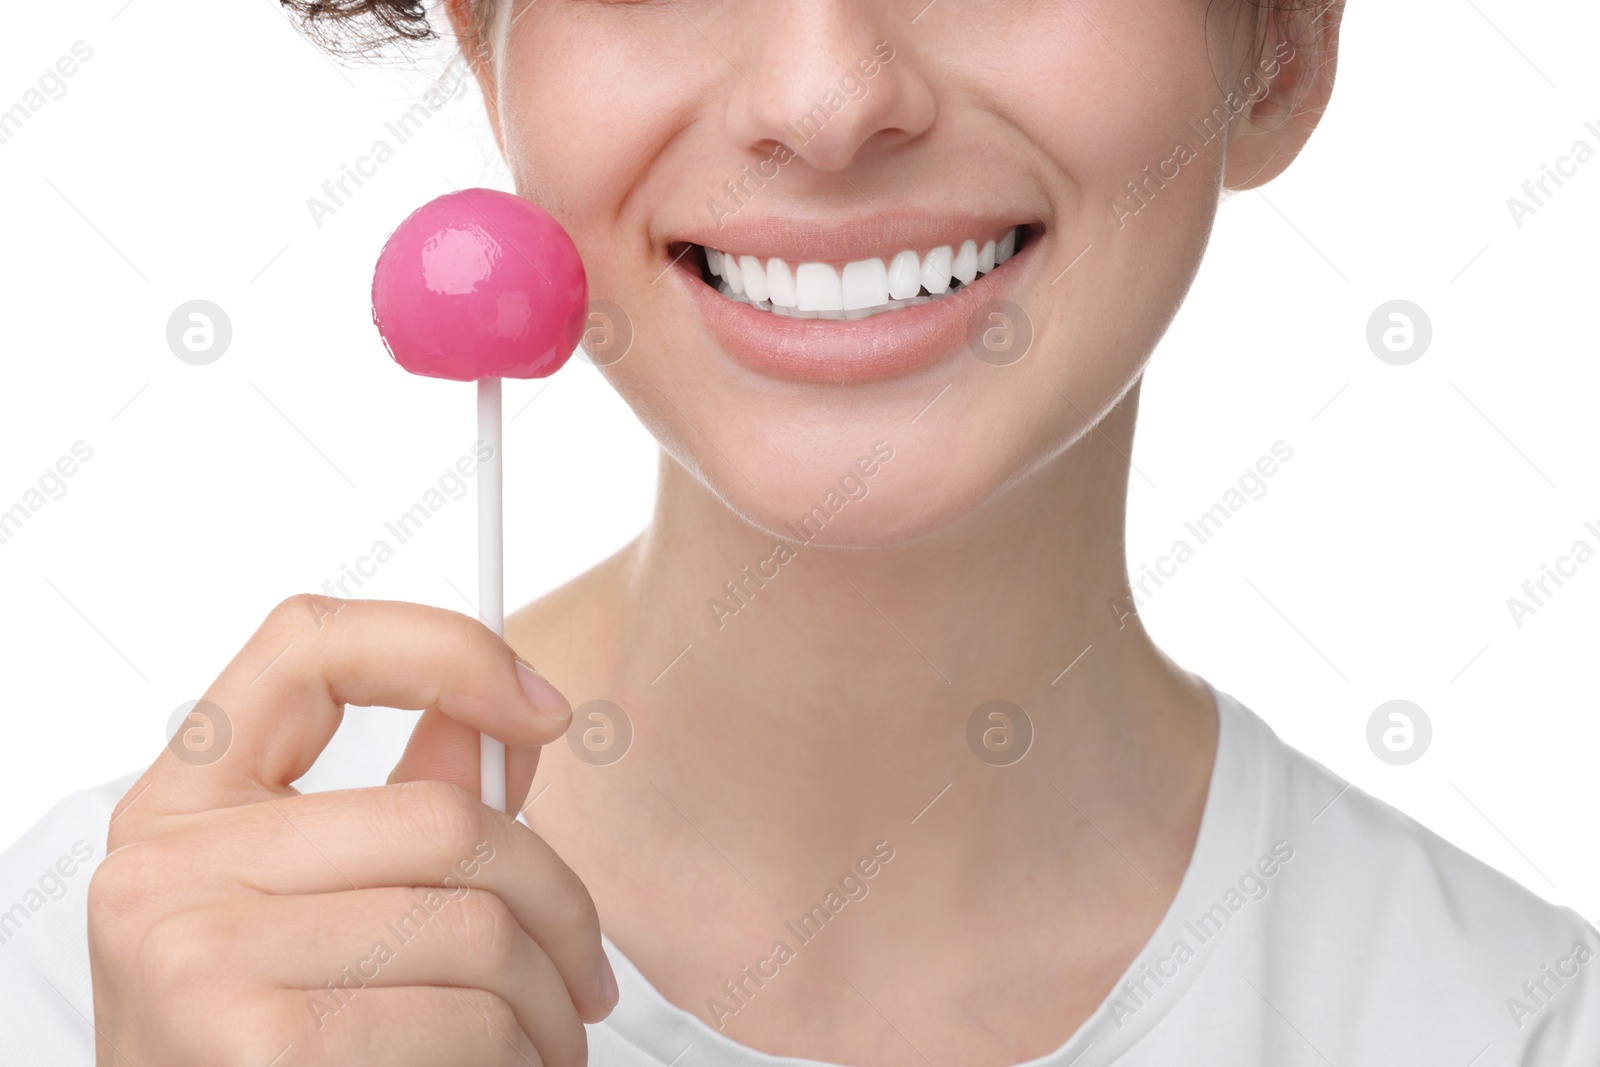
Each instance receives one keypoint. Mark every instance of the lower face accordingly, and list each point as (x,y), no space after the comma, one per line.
(931,242)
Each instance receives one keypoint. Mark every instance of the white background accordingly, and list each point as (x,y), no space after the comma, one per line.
(178,165)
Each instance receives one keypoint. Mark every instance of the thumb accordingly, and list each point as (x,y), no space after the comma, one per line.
(444,750)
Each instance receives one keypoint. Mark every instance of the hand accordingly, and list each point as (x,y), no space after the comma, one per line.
(236,921)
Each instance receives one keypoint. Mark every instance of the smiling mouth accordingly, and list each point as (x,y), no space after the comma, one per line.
(861,288)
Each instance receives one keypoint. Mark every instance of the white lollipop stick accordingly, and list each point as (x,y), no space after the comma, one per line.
(491,567)
(440,291)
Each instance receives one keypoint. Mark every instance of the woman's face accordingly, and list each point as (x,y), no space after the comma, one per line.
(837,135)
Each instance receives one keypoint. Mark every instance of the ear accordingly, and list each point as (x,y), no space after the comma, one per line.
(1289,86)
(475,38)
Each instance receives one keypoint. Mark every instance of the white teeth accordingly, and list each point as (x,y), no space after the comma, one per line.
(866,284)
(936,270)
(864,287)
(755,277)
(905,275)
(818,287)
(966,264)
(780,284)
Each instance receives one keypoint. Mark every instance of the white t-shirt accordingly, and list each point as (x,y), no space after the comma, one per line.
(1315,925)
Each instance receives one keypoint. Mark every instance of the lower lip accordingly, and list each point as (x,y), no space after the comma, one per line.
(844,352)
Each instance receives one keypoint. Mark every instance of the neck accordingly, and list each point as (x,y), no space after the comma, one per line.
(834,698)
(995,604)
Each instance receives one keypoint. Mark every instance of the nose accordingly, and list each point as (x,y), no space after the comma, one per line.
(827,82)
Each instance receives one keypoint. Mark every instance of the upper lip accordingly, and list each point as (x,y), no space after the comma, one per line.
(865,235)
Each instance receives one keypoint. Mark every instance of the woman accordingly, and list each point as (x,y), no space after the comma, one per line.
(906,781)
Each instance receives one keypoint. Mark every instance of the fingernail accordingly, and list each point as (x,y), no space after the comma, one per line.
(545,698)
(608,983)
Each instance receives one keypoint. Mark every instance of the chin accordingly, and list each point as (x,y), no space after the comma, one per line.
(888,490)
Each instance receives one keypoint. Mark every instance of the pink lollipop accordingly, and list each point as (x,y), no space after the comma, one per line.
(480,285)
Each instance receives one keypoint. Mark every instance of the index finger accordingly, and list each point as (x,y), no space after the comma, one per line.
(282,697)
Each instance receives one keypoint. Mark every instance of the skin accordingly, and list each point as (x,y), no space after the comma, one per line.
(808,726)
(827,714)
(227,900)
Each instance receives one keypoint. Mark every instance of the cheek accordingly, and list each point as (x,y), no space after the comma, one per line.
(1135,156)
(586,106)
(1109,118)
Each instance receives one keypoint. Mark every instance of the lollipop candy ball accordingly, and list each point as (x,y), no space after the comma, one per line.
(480,284)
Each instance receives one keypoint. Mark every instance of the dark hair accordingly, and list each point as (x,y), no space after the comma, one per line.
(353,27)
(356,27)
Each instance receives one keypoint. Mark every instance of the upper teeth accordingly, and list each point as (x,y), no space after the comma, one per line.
(864,287)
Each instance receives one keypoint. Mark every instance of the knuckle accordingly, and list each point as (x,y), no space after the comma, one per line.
(180,954)
(577,912)
(443,813)
(127,882)
(468,638)
(460,637)
(291,613)
(460,626)
(494,1012)
(493,1018)
(519,1053)
(486,928)
(580,917)
(299,615)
